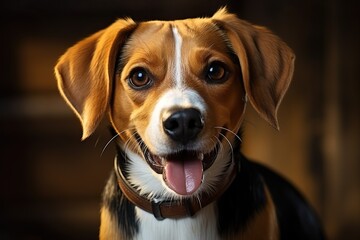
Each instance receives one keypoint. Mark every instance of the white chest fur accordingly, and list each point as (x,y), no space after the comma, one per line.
(201,226)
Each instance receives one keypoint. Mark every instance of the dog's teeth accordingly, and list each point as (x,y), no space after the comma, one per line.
(201,156)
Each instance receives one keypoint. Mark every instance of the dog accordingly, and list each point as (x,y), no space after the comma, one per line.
(175,93)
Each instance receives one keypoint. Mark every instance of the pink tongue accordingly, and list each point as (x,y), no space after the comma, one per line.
(183,173)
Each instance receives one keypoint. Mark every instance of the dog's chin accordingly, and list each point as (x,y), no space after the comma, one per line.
(182,171)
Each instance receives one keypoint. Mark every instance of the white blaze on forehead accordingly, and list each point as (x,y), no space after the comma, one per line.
(177,58)
(178,97)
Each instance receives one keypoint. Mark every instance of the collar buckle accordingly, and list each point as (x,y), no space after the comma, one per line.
(156,209)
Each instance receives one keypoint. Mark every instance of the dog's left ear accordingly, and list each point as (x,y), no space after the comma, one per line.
(85,73)
(267,63)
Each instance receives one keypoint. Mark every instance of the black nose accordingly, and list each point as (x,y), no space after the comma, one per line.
(183,125)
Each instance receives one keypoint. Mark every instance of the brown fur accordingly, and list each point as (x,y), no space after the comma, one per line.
(109,228)
(87,80)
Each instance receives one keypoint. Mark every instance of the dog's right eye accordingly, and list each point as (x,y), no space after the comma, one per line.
(216,72)
(139,79)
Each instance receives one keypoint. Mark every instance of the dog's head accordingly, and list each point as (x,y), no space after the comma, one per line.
(176,90)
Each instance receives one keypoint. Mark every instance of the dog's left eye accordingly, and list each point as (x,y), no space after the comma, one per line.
(216,72)
(139,79)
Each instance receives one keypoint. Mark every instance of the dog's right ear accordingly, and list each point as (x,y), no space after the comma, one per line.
(85,73)
(267,63)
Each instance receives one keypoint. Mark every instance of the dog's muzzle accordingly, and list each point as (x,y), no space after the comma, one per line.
(183,168)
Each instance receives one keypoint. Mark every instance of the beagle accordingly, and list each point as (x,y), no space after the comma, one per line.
(175,93)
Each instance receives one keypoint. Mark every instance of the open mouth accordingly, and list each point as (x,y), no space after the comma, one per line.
(182,171)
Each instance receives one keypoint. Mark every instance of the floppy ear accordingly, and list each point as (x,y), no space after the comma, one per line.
(85,73)
(267,63)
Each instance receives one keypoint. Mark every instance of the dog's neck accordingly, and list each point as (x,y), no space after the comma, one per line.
(170,208)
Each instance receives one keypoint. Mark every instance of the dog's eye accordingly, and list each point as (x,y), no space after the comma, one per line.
(216,72)
(139,79)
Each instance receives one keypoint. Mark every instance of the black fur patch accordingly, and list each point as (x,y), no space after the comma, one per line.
(244,198)
(120,208)
(297,220)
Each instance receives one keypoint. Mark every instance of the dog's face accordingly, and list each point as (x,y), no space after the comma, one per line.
(176,87)
(176,90)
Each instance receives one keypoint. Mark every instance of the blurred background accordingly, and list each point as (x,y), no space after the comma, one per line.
(51,182)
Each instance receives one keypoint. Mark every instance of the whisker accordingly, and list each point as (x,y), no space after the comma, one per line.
(97,142)
(220,143)
(112,139)
(107,144)
(127,144)
(199,201)
(141,144)
(228,130)
(216,139)
(230,145)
